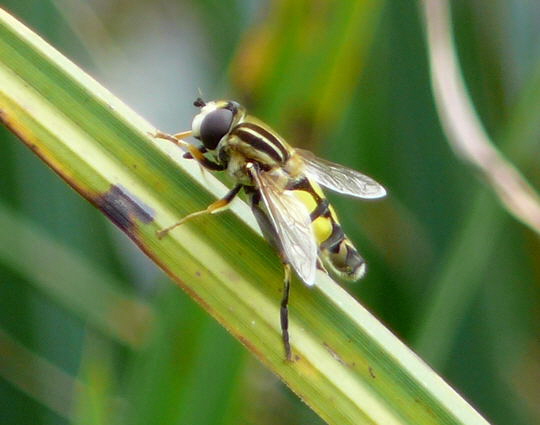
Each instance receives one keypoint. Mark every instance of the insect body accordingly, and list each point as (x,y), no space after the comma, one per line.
(282,184)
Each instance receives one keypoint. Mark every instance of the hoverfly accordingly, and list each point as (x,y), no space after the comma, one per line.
(282,185)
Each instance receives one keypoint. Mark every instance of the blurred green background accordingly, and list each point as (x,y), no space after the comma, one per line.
(450,271)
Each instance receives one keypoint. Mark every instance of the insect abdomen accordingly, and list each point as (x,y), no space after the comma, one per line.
(342,257)
(336,250)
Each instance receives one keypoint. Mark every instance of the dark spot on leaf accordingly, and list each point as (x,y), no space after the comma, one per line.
(371,373)
(124,208)
(335,355)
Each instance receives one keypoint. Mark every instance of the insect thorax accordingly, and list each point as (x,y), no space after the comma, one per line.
(243,145)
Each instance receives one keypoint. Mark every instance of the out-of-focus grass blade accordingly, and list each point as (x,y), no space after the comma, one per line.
(36,376)
(348,367)
(186,353)
(462,275)
(463,127)
(322,52)
(91,292)
(95,402)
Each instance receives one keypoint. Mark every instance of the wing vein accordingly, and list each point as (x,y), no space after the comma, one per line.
(339,178)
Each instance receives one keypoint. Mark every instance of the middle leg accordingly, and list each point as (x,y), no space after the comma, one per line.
(213,208)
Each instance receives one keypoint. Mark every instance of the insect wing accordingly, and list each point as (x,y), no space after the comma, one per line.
(340,178)
(292,224)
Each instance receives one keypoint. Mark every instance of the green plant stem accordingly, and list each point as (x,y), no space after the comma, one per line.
(347,366)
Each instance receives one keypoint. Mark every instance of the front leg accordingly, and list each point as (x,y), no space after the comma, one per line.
(195,152)
(177,138)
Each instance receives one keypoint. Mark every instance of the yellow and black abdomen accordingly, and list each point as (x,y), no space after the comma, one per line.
(336,250)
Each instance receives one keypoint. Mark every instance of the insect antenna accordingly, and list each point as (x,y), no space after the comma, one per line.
(199,103)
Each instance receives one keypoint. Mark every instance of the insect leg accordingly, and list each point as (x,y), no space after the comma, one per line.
(198,155)
(271,236)
(175,138)
(284,312)
(214,207)
(182,135)
(192,150)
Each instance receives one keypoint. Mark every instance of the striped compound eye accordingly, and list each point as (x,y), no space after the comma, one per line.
(214,126)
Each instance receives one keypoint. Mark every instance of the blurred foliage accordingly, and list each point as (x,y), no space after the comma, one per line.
(455,276)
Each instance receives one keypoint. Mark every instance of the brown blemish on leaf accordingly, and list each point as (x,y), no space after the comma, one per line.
(371,372)
(336,356)
(123,208)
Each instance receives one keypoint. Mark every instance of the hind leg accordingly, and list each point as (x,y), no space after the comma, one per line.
(284,312)
(271,236)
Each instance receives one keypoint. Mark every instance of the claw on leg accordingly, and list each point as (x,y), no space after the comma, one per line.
(163,232)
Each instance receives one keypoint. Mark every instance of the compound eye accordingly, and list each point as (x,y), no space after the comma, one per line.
(214,126)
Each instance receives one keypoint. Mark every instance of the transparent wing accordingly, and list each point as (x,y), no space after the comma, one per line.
(340,178)
(292,224)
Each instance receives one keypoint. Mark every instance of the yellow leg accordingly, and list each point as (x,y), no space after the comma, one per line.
(175,138)
(214,207)
(182,135)
(196,153)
